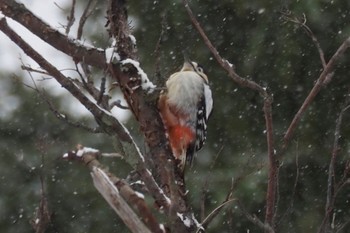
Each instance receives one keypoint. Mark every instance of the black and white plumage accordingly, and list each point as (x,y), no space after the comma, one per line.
(185,109)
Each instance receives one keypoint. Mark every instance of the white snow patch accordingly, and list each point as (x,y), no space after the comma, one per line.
(228,63)
(140,195)
(84,43)
(132,39)
(198,225)
(185,220)
(85,150)
(161,226)
(146,84)
(111,55)
(114,43)
(138,182)
(261,11)
(160,190)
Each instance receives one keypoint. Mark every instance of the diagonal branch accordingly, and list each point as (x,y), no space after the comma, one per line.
(112,195)
(74,48)
(315,90)
(98,113)
(223,62)
(117,193)
(331,189)
(254,219)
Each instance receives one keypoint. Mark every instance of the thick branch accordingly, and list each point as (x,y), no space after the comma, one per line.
(112,196)
(106,183)
(144,108)
(75,49)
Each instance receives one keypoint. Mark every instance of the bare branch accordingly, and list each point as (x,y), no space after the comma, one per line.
(118,104)
(223,62)
(331,190)
(302,23)
(65,118)
(30,69)
(342,227)
(112,196)
(214,213)
(315,90)
(254,219)
(42,217)
(296,180)
(157,49)
(273,166)
(89,9)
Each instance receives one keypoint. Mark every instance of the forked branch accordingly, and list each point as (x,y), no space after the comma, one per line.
(315,90)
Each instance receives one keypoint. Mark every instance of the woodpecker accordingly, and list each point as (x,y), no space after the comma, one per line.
(185,107)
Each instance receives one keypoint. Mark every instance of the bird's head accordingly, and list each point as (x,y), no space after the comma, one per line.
(194,66)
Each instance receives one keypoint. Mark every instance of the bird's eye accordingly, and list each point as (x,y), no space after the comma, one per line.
(200,69)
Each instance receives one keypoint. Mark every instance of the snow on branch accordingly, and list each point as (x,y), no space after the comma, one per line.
(128,204)
(146,84)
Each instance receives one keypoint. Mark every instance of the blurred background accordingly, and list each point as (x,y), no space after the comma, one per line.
(263,46)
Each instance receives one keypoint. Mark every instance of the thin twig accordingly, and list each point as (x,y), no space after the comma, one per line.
(214,213)
(273,167)
(296,180)
(71,17)
(157,49)
(206,183)
(60,116)
(342,227)
(254,219)
(331,191)
(30,69)
(302,23)
(118,103)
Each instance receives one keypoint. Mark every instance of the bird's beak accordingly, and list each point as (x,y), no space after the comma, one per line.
(187,63)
